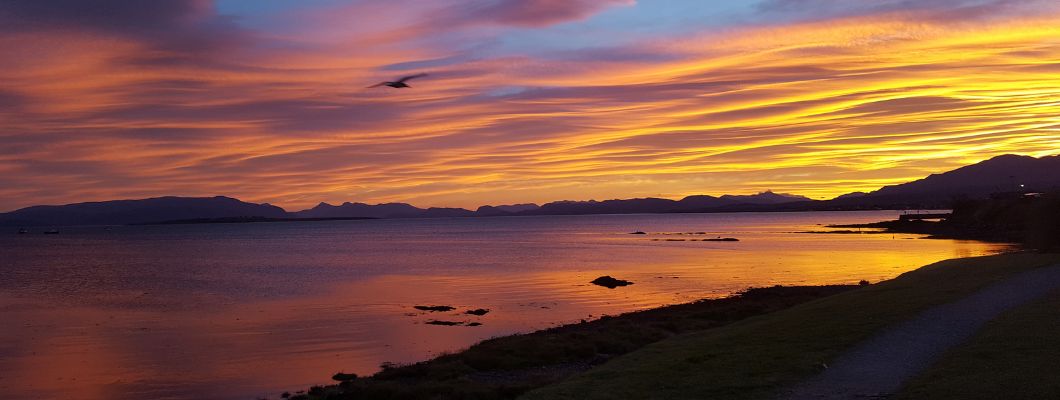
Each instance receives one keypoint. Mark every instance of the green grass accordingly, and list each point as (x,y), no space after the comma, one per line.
(757,357)
(1013,357)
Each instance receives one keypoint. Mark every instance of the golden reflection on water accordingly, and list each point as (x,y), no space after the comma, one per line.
(157,346)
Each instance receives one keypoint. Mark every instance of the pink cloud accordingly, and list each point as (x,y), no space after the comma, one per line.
(529,13)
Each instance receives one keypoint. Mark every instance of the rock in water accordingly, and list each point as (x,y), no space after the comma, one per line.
(721,239)
(343,377)
(608,282)
(434,308)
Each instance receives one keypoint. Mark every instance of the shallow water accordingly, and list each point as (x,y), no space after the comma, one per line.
(248,310)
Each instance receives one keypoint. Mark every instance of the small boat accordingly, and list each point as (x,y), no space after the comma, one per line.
(22,231)
(51,232)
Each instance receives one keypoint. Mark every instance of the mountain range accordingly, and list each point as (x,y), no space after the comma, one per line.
(121,212)
(1007,173)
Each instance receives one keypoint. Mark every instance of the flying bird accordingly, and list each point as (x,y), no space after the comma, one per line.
(398,84)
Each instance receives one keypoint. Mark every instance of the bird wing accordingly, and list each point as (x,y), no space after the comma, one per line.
(377,85)
(402,80)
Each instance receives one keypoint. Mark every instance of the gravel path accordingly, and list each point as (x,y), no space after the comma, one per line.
(880,365)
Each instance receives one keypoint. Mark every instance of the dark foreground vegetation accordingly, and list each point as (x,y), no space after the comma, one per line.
(1032,220)
(506,367)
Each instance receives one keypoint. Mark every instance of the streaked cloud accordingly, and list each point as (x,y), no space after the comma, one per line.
(527,13)
(192,101)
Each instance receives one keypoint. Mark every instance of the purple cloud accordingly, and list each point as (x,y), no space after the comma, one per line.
(528,13)
(186,25)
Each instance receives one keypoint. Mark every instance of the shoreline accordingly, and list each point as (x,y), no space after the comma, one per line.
(936,230)
(507,366)
(767,357)
(1031,222)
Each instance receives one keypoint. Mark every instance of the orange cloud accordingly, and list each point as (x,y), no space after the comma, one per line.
(818,108)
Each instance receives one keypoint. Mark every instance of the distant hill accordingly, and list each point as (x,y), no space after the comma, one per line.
(1006,173)
(514,208)
(387,210)
(697,203)
(851,195)
(119,212)
(617,206)
(700,203)
(490,211)
(442,212)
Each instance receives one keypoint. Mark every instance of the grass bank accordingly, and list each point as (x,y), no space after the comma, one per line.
(758,357)
(1013,357)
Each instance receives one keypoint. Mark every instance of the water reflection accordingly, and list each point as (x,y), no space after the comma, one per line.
(238,311)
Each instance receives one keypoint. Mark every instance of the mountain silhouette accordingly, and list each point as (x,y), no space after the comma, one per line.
(1001,174)
(387,210)
(617,206)
(766,197)
(696,203)
(119,212)
(1006,173)
(513,209)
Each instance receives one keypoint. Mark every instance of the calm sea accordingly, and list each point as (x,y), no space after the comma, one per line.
(247,310)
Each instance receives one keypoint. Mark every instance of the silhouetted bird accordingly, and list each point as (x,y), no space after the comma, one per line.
(398,84)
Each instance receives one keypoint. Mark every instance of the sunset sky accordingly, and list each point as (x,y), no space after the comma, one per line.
(526,101)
